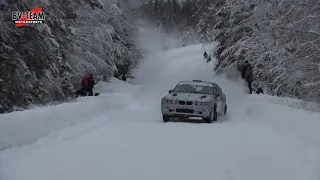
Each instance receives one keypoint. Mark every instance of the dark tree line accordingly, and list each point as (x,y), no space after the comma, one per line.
(189,17)
(166,13)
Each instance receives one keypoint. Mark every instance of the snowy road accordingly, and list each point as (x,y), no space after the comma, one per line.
(120,135)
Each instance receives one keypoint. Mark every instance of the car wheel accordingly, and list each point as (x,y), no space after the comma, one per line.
(166,118)
(215,114)
(210,118)
(225,109)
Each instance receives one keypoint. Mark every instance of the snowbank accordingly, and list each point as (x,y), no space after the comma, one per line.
(23,127)
(295,103)
(301,124)
(122,131)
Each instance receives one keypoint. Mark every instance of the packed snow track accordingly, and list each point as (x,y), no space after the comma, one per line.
(120,135)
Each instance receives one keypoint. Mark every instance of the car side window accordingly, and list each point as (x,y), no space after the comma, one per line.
(217,91)
(213,90)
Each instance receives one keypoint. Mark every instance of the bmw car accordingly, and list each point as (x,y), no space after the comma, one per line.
(195,98)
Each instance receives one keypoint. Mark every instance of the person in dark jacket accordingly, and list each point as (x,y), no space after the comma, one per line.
(247,74)
(91,84)
(259,90)
(205,55)
(124,77)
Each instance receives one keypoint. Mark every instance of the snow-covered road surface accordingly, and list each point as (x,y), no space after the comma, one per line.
(120,134)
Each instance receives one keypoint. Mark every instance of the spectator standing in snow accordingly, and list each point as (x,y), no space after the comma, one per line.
(205,55)
(259,90)
(124,78)
(247,74)
(90,85)
(87,85)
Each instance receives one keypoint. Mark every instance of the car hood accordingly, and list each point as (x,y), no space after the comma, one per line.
(188,96)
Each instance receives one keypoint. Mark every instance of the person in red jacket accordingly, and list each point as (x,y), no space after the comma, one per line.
(85,85)
(88,84)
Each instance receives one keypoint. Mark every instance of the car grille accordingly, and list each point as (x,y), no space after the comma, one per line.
(189,103)
(185,111)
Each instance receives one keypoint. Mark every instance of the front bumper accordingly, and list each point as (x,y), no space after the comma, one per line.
(185,111)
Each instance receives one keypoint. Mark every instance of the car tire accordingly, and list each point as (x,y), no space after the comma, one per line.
(209,119)
(225,109)
(215,114)
(166,118)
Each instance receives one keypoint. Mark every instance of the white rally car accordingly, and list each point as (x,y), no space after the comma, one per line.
(195,98)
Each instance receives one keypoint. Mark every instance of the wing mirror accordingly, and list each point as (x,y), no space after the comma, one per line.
(170,91)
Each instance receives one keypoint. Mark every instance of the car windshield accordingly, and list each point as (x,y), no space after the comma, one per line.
(194,88)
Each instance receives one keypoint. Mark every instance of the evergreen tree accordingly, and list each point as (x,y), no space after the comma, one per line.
(203,30)
(175,9)
(187,36)
(186,9)
(156,9)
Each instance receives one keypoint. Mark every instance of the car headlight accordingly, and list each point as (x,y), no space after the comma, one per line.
(173,101)
(205,104)
(199,103)
(168,101)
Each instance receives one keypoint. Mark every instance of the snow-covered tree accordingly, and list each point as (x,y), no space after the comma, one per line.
(280,38)
(204,30)
(46,62)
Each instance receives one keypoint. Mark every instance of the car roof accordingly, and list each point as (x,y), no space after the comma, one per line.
(199,82)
